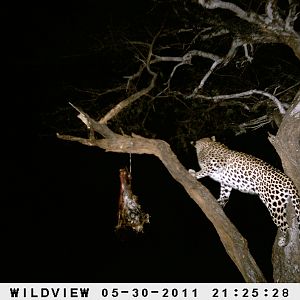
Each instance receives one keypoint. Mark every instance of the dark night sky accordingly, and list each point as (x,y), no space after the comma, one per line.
(61,200)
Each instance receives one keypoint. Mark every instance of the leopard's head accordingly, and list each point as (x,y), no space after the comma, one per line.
(204,143)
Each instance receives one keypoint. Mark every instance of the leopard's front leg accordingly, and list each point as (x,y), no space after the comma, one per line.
(224,194)
(225,189)
(202,173)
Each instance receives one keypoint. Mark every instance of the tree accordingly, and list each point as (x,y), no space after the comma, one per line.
(216,32)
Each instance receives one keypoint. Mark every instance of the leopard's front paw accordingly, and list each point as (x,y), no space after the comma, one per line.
(222,203)
(192,172)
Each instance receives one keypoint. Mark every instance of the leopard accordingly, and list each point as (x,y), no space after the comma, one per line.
(248,174)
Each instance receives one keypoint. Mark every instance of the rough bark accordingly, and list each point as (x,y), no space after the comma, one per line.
(286,260)
(234,243)
(287,142)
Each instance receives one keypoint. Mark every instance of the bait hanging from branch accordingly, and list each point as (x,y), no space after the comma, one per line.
(130,213)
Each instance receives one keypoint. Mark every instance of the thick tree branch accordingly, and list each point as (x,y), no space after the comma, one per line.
(286,142)
(234,243)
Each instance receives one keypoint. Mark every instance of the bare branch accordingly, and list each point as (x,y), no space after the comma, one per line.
(82,116)
(92,125)
(292,15)
(173,72)
(200,35)
(272,11)
(248,57)
(272,28)
(86,142)
(249,17)
(185,60)
(210,71)
(203,80)
(243,95)
(132,77)
(203,54)
(287,89)
(236,43)
(120,106)
(217,61)
(255,124)
(234,243)
(214,34)
(97,93)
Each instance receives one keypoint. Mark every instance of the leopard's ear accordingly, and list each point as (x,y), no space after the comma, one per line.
(193,143)
(213,138)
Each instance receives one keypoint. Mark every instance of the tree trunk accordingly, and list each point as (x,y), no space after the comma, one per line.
(286,260)
(287,142)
